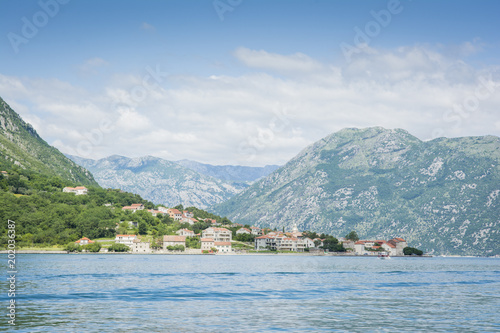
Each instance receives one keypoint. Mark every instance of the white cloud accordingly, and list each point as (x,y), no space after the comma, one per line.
(261,118)
(297,62)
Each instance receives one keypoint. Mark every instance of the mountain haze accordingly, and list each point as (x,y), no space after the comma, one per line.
(441,195)
(235,173)
(21,145)
(160,181)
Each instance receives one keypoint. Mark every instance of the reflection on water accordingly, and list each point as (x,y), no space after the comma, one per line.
(73,293)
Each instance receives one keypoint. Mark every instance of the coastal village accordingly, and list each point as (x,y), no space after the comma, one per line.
(218,238)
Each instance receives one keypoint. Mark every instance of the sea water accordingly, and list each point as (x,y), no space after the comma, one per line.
(251,293)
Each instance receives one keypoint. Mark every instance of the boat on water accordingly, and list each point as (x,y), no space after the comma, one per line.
(383,255)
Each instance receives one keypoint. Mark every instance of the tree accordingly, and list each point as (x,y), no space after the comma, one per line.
(245,238)
(94,247)
(72,247)
(193,242)
(143,229)
(352,236)
(408,251)
(332,244)
(117,247)
(154,244)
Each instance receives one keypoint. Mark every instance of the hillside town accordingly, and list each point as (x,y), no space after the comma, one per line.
(234,238)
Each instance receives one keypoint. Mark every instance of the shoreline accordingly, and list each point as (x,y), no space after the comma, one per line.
(220,254)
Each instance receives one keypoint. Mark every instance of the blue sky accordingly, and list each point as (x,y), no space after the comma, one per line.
(246,82)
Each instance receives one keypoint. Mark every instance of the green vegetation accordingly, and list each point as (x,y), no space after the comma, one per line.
(331,244)
(193,242)
(117,247)
(72,247)
(408,251)
(176,248)
(48,216)
(21,145)
(353,236)
(248,238)
(94,247)
(242,246)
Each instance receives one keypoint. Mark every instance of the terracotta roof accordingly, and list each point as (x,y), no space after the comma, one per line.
(206,240)
(218,229)
(85,238)
(222,243)
(168,238)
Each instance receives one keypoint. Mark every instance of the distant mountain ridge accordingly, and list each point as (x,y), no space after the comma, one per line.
(441,195)
(161,181)
(21,145)
(235,173)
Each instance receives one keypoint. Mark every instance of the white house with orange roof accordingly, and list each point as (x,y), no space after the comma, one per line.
(188,214)
(347,244)
(256,231)
(400,244)
(207,244)
(84,241)
(283,242)
(155,212)
(185,232)
(265,242)
(125,239)
(243,231)
(394,246)
(134,207)
(318,241)
(79,190)
(174,214)
(218,234)
(223,247)
(173,240)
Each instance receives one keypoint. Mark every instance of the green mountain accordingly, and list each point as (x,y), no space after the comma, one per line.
(160,181)
(441,196)
(21,146)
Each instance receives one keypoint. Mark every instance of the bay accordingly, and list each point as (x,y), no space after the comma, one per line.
(252,293)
